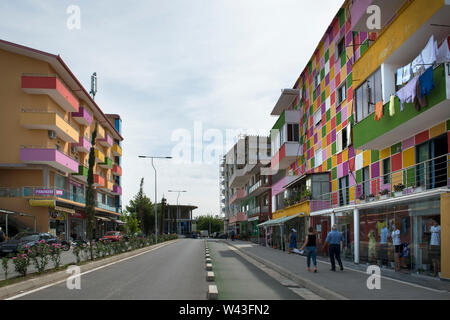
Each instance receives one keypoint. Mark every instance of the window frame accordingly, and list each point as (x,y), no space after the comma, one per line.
(370,91)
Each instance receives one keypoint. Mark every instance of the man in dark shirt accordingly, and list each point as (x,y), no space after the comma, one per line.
(334,239)
(2,235)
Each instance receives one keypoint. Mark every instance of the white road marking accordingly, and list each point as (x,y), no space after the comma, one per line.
(86,272)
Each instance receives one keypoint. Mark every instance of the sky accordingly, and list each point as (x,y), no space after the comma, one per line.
(180,73)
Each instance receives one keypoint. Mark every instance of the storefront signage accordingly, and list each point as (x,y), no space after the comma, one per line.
(76,184)
(48,192)
(42,203)
(57,215)
(79,215)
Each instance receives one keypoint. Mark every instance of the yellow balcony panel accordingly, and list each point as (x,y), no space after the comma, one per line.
(116,150)
(99,156)
(100,132)
(47,120)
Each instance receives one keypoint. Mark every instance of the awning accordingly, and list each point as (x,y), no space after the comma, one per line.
(284,102)
(102,218)
(118,221)
(42,203)
(66,210)
(279,221)
(293,182)
(253,219)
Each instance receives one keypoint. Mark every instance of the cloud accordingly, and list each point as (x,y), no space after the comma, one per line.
(163,65)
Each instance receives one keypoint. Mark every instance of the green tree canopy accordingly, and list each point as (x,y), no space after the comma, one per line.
(142,207)
(204,223)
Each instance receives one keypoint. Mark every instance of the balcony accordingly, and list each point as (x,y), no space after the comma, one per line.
(116,170)
(82,173)
(100,132)
(238,178)
(83,117)
(238,195)
(239,217)
(108,186)
(49,120)
(107,141)
(372,134)
(83,145)
(50,157)
(285,101)
(259,187)
(421,180)
(107,164)
(99,181)
(117,190)
(288,153)
(53,87)
(116,150)
(99,156)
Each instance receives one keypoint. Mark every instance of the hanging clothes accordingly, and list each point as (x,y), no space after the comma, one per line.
(392,106)
(408,92)
(429,52)
(419,101)
(407,74)
(417,65)
(379,110)
(399,77)
(426,82)
(443,54)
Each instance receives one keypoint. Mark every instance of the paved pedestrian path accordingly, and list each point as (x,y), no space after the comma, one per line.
(352,282)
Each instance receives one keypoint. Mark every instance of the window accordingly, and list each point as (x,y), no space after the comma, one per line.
(317,79)
(340,48)
(343,139)
(317,117)
(343,192)
(366,181)
(386,170)
(367,95)
(342,93)
(318,158)
(292,132)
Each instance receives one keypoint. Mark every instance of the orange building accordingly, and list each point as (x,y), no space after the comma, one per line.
(46,123)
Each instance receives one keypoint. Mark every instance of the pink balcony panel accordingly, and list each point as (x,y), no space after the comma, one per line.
(107,141)
(82,116)
(51,157)
(54,88)
(83,145)
(117,190)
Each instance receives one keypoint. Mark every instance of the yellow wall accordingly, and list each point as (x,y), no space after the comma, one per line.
(408,22)
(445,236)
(22,205)
(20,178)
(290,211)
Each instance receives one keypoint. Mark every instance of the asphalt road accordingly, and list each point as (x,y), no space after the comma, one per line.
(173,272)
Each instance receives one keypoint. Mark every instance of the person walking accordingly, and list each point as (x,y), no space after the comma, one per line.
(334,239)
(292,240)
(2,235)
(311,248)
(232,235)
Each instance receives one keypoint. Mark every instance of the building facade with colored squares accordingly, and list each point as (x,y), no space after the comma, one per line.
(354,145)
(47,120)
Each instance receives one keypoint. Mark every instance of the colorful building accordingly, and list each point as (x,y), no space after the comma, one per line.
(47,120)
(343,154)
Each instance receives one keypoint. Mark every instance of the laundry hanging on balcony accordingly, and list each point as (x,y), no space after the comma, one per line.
(408,92)
(443,54)
(379,110)
(392,106)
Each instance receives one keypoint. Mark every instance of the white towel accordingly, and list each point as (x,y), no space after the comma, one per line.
(429,52)
(443,54)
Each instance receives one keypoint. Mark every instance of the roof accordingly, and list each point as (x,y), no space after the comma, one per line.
(66,74)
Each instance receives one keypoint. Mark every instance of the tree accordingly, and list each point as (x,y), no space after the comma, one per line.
(90,198)
(131,223)
(209,221)
(162,207)
(142,206)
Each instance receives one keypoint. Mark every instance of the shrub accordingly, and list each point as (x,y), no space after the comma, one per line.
(55,254)
(76,252)
(39,253)
(21,263)
(5,266)
(384,192)
(399,187)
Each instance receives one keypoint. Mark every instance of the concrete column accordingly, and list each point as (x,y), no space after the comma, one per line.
(333,219)
(356,234)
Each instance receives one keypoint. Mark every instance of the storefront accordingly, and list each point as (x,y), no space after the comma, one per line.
(77,225)
(277,230)
(58,222)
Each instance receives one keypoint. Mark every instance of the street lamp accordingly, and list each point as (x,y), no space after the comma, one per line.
(156,199)
(178,191)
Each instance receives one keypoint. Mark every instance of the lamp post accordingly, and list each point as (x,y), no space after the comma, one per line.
(156,199)
(178,191)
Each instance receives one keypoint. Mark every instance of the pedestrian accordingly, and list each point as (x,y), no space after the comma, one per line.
(311,248)
(292,240)
(2,235)
(232,235)
(334,239)
(398,247)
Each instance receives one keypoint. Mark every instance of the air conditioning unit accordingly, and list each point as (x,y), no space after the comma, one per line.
(51,134)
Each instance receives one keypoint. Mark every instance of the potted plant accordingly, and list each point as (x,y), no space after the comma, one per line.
(298,198)
(384,194)
(398,189)
(307,194)
(362,198)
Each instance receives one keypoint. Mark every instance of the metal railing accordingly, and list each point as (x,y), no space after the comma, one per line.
(423,176)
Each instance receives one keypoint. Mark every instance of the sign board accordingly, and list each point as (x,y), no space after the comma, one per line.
(48,192)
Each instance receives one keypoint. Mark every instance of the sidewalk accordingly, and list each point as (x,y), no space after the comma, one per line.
(352,282)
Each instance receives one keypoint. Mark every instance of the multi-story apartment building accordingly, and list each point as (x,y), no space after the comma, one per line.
(349,152)
(47,119)
(245,191)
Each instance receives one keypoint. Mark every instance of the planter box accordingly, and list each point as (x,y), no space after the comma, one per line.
(384,197)
(418,189)
(398,194)
(371,199)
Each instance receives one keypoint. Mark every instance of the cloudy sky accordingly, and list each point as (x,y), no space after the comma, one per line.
(168,67)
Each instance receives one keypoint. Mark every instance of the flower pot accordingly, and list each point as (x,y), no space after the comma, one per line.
(371,199)
(398,194)
(383,197)
(362,201)
(418,189)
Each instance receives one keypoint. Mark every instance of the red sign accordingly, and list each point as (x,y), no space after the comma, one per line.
(79,214)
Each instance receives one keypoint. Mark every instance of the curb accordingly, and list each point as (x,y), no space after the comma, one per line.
(314,287)
(213,292)
(21,287)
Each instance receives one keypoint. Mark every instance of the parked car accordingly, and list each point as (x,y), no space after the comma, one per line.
(112,236)
(22,240)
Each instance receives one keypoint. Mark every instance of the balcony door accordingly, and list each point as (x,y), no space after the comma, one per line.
(431,159)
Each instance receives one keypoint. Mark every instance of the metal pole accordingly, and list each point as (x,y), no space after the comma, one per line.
(356,234)
(7,226)
(156,207)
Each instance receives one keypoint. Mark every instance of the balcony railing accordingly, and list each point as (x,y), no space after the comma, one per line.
(415,179)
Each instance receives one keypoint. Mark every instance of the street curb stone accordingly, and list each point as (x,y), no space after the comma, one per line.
(17,288)
(213,293)
(314,287)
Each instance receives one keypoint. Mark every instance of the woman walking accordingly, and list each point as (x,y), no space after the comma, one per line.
(292,240)
(311,249)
